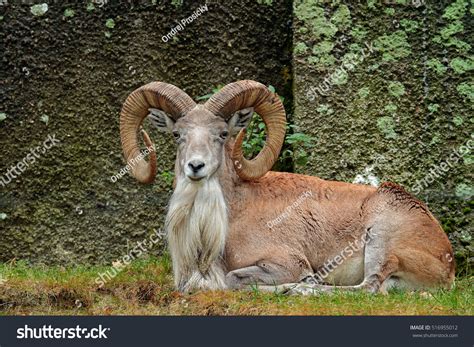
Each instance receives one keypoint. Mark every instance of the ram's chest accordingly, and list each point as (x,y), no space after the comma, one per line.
(197,226)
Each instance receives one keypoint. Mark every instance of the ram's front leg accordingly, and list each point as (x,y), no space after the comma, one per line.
(265,272)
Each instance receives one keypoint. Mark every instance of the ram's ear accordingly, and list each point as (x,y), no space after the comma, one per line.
(160,119)
(240,120)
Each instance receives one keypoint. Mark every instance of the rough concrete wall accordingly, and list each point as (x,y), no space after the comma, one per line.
(68,72)
(396,110)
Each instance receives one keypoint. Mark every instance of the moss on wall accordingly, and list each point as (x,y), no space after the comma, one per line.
(404,107)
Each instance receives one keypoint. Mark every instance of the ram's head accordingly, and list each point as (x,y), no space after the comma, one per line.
(201,131)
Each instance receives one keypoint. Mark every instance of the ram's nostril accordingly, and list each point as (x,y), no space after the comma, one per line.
(196,165)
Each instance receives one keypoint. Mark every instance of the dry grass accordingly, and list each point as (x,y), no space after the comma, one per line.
(145,288)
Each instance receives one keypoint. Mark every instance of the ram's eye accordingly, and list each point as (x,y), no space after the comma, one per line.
(224,134)
(176,134)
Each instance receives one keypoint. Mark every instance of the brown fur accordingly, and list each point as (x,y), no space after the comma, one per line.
(319,228)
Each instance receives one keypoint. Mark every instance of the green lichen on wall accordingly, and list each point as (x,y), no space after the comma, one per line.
(358,33)
(177,3)
(342,17)
(396,89)
(321,23)
(325,109)
(300,48)
(265,2)
(363,92)
(466,90)
(460,65)
(387,126)
(409,99)
(391,108)
(389,11)
(456,10)
(454,14)
(409,25)
(69,12)
(39,9)
(393,46)
(436,66)
(464,191)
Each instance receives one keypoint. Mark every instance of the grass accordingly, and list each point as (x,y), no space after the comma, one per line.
(145,288)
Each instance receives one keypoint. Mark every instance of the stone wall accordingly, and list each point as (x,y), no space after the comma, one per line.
(67,73)
(386,89)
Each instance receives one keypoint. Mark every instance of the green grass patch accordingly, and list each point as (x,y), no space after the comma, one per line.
(145,287)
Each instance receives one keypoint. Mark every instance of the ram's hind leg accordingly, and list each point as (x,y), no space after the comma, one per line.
(372,283)
(377,281)
(379,265)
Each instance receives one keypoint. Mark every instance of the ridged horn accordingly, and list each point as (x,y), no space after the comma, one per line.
(163,96)
(242,94)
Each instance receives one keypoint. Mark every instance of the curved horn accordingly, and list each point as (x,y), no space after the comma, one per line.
(242,94)
(164,96)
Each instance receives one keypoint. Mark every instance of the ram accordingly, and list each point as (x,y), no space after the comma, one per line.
(232,223)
